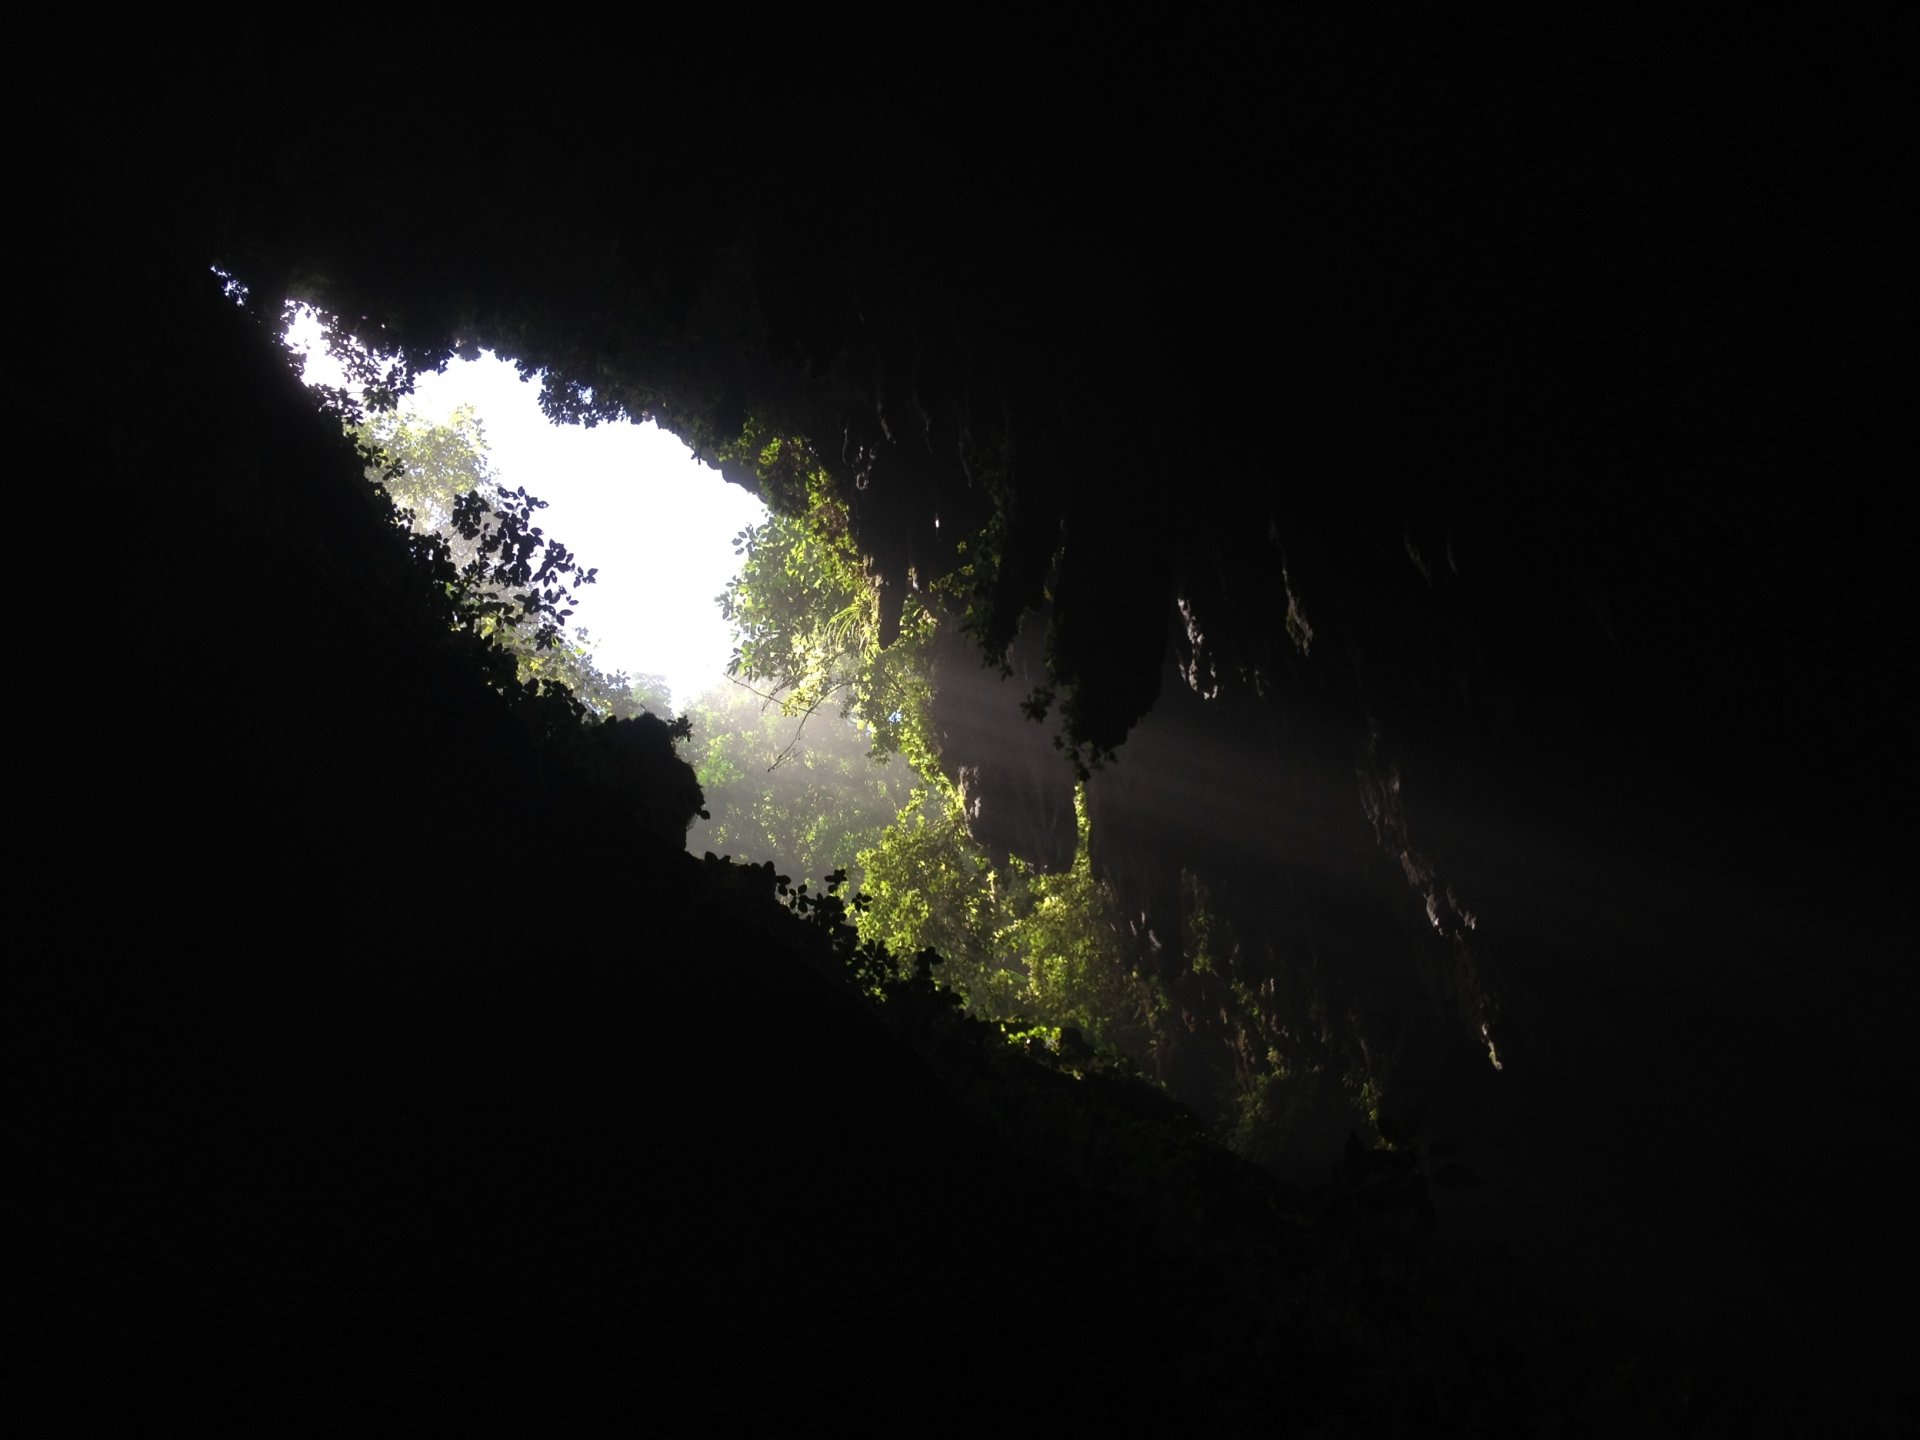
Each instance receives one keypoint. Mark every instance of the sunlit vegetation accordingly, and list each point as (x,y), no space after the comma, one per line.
(802,790)
(1020,944)
(806,612)
(806,615)
(824,756)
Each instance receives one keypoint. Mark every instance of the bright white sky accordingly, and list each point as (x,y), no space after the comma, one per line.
(629,499)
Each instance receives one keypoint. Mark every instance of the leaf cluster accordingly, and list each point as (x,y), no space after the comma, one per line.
(517,572)
(506,581)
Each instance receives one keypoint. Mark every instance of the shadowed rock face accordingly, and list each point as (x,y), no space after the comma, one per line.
(1017,785)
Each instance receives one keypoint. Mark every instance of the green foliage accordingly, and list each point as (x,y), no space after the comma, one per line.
(806,612)
(930,886)
(800,789)
(502,573)
(873,969)
(1066,933)
(1050,949)
(802,607)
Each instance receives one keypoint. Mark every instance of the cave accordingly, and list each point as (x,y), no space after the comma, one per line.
(1464,535)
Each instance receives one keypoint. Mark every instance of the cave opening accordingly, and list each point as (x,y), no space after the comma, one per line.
(654,524)
(1670,671)
(793,772)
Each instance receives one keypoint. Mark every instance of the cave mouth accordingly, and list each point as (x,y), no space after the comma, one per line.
(629,498)
(666,535)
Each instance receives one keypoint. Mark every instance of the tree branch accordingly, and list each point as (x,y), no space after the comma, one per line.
(781,758)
